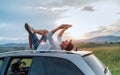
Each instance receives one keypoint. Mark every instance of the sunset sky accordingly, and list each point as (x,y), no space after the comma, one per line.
(89,18)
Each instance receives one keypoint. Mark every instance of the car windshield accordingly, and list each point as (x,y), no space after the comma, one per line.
(94,64)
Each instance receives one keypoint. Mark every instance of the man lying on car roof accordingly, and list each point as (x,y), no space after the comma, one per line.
(47,42)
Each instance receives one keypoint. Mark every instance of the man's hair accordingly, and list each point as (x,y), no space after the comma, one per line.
(69,47)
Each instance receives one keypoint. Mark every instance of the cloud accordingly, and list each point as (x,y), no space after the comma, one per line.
(118,13)
(61,3)
(113,29)
(37,13)
(88,8)
(4,40)
(49,4)
(11,30)
(11,39)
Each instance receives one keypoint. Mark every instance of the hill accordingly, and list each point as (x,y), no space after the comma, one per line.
(100,39)
(13,47)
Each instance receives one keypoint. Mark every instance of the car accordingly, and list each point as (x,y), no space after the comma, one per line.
(51,62)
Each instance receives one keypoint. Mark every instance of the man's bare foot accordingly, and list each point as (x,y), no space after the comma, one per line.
(29,29)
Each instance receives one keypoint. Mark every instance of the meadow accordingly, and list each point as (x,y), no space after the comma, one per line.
(109,54)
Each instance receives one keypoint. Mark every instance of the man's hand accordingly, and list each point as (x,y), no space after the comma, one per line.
(62,26)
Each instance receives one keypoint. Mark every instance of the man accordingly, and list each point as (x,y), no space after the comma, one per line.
(16,68)
(47,42)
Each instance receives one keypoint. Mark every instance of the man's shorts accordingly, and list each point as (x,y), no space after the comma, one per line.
(36,41)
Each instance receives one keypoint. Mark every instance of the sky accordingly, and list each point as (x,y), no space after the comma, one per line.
(89,18)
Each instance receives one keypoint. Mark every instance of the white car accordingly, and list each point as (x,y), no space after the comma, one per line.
(51,63)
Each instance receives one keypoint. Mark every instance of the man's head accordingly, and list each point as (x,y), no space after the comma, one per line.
(21,64)
(67,45)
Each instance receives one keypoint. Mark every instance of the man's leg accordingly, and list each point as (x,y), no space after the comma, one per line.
(30,42)
(33,39)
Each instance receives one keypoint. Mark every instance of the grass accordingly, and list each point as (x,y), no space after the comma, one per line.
(109,54)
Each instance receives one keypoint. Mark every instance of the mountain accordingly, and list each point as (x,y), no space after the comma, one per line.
(98,39)
(109,38)
(14,45)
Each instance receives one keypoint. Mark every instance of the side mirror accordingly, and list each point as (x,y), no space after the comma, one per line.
(106,70)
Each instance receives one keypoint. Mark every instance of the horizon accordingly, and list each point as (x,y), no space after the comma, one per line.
(75,41)
(88,18)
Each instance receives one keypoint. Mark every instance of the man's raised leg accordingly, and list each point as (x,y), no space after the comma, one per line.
(33,39)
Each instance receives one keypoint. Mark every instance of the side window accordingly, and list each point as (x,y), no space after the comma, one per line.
(53,66)
(19,66)
(1,61)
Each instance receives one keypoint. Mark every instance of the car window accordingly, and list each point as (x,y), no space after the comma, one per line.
(1,61)
(19,66)
(53,66)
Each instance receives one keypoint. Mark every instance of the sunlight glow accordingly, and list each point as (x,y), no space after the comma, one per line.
(87,21)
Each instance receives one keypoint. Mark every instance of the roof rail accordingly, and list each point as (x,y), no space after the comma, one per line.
(53,51)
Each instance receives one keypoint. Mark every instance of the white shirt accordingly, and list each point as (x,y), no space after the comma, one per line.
(48,46)
(44,46)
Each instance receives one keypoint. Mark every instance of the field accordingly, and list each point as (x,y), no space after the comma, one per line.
(109,54)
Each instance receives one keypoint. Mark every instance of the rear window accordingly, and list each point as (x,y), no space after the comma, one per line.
(53,66)
(94,64)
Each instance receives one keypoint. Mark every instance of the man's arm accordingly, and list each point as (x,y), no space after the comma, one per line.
(51,40)
(59,37)
(63,26)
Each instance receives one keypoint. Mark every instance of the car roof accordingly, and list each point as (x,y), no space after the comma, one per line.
(38,52)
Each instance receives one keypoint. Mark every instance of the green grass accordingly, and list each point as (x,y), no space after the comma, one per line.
(109,54)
